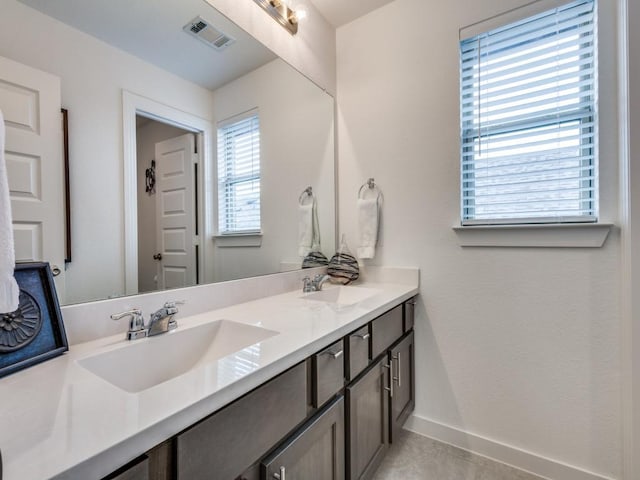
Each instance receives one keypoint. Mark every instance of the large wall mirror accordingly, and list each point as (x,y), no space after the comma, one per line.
(150,87)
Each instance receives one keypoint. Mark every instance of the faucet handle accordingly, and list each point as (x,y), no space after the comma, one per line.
(134,313)
(173,303)
(136,322)
(307,285)
(171,307)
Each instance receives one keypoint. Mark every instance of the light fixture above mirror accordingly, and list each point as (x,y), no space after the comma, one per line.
(282,14)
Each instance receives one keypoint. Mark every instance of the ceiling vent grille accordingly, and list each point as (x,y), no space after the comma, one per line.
(203,31)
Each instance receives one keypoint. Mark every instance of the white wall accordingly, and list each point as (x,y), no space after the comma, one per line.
(146,138)
(93,76)
(517,349)
(312,50)
(296,151)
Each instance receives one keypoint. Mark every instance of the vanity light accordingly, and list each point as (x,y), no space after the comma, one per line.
(281,12)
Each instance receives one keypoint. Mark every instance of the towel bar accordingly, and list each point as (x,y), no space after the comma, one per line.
(370,185)
(306,192)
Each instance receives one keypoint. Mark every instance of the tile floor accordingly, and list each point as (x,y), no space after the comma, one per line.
(414,457)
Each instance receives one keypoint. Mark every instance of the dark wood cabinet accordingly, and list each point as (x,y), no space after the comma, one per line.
(367,421)
(385,330)
(136,470)
(409,314)
(402,363)
(226,444)
(162,461)
(315,452)
(328,373)
(357,352)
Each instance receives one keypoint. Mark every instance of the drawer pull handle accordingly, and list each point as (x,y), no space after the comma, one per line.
(399,377)
(281,475)
(390,387)
(335,355)
(363,336)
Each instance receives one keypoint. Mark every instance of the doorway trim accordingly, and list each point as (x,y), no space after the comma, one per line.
(132,105)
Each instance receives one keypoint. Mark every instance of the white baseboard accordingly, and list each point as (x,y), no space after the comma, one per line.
(515,457)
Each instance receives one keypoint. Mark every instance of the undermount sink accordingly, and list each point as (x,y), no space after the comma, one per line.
(342,296)
(142,364)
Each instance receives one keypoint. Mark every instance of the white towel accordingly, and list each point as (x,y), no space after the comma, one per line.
(309,230)
(368,223)
(9,290)
(305,229)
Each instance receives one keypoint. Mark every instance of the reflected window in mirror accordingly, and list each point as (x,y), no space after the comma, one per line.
(239,174)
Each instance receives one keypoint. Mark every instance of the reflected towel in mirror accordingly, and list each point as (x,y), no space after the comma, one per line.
(309,229)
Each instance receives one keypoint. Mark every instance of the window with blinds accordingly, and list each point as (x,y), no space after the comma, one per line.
(239,175)
(528,120)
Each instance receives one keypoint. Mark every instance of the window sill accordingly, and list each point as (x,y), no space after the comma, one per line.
(238,240)
(570,235)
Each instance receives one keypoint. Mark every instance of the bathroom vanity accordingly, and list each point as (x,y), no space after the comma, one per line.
(310,385)
(307,423)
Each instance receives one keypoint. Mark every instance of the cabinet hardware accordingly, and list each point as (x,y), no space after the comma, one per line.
(363,337)
(390,387)
(335,355)
(281,475)
(399,377)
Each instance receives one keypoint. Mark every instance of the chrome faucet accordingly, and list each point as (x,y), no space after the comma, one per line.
(136,323)
(161,321)
(319,280)
(314,285)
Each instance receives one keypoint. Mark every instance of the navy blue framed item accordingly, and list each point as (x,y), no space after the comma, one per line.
(34,332)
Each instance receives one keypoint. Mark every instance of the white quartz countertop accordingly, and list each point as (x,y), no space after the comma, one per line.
(59,420)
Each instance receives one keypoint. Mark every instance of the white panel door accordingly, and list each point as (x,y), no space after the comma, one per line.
(176,212)
(30,102)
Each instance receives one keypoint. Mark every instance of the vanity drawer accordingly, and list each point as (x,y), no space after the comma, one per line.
(409,314)
(358,358)
(385,330)
(328,373)
(227,443)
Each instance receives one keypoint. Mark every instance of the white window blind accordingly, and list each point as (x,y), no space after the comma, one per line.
(528,120)
(239,175)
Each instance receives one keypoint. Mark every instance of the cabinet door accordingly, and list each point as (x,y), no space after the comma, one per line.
(367,421)
(315,452)
(403,377)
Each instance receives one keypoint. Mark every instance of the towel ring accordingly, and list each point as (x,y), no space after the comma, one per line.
(369,185)
(307,192)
